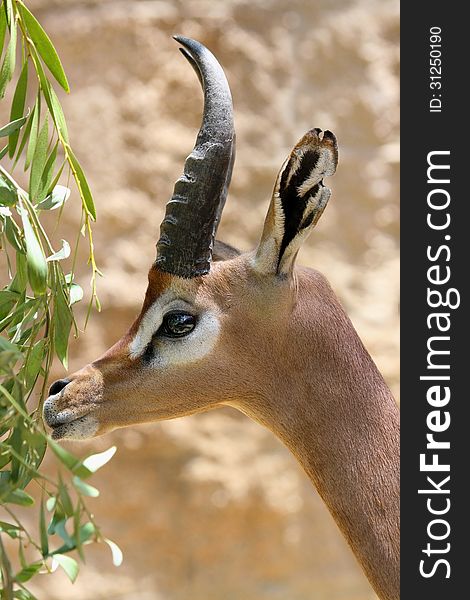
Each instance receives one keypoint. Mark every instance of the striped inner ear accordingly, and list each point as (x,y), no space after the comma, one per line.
(301,191)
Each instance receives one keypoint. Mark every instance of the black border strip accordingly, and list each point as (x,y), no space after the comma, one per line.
(422,132)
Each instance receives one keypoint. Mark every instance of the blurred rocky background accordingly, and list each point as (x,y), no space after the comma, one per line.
(213,507)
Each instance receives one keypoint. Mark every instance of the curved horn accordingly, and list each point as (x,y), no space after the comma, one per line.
(192,214)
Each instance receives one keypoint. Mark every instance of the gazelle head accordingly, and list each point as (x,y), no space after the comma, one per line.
(214,323)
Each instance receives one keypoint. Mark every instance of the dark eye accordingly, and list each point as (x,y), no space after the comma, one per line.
(177,324)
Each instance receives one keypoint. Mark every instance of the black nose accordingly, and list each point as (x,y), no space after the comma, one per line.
(58,386)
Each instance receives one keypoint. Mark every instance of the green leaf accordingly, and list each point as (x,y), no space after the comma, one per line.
(13,234)
(3,27)
(47,175)
(69,565)
(44,47)
(60,194)
(65,499)
(28,572)
(43,531)
(7,346)
(81,536)
(3,151)
(21,278)
(19,497)
(51,502)
(63,323)
(33,136)
(34,363)
(37,266)
(12,127)
(69,460)
(85,488)
(8,194)
(61,254)
(11,530)
(58,115)
(24,138)
(76,293)
(8,299)
(9,61)
(17,106)
(116,552)
(23,595)
(83,187)
(96,461)
(87,531)
(39,161)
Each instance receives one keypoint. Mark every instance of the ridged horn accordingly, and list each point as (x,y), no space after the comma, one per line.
(193,213)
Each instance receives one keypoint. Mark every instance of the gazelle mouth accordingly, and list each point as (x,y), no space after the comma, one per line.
(75,429)
(67,424)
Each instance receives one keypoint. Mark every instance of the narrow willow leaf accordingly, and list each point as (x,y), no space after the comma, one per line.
(56,520)
(17,107)
(3,27)
(45,47)
(116,552)
(80,536)
(12,127)
(36,261)
(9,61)
(85,488)
(47,175)
(25,137)
(3,151)
(69,565)
(87,531)
(39,160)
(28,572)
(8,195)
(16,443)
(10,353)
(66,501)
(33,136)
(59,195)
(58,115)
(43,531)
(13,235)
(9,529)
(23,595)
(44,84)
(72,463)
(63,324)
(75,293)
(7,297)
(61,254)
(19,497)
(20,281)
(82,184)
(34,363)
(96,461)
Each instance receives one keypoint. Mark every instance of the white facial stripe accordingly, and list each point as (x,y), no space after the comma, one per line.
(148,326)
(190,348)
(177,351)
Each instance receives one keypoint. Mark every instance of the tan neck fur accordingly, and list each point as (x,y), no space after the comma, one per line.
(333,410)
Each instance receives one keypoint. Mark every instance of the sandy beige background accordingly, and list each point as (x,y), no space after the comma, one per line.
(213,507)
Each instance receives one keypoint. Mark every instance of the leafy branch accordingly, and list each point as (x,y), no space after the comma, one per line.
(36,310)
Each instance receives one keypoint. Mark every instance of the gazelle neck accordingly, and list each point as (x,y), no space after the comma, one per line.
(335,413)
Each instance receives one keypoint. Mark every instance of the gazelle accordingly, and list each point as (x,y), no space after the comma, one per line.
(255,332)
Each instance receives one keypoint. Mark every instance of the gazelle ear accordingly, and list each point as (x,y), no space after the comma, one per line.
(298,201)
